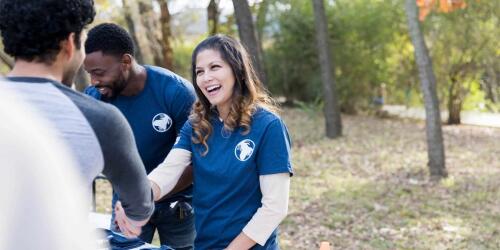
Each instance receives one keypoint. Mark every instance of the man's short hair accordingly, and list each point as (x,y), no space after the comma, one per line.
(32,30)
(110,39)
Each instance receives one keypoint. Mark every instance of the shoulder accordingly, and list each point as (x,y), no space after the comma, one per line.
(95,111)
(170,81)
(188,125)
(263,117)
(265,122)
(163,75)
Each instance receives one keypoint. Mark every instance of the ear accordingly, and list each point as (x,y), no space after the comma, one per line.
(127,60)
(68,45)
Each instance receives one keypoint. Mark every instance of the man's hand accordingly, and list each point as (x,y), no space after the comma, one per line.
(130,228)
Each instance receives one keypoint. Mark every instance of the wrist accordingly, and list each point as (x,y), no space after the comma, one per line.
(137,223)
(156,190)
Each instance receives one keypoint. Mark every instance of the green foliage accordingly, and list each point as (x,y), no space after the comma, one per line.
(362,36)
(462,43)
(311,108)
(229,27)
(370,46)
(476,98)
(182,58)
(293,70)
(106,11)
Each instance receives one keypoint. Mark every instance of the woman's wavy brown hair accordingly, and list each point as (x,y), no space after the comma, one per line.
(248,92)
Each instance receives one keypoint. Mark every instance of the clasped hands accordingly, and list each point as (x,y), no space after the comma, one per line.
(128,227)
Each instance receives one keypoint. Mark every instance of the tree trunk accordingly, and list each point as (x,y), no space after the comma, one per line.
(6,59)
(331,108)
(151,31)
(248,36)
(454,102)
(435,147)
(82,80)
(128,11)
(213,16)
(167,51)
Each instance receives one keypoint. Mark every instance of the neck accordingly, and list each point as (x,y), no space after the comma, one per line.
(223,111)
(136,80)
(24,68)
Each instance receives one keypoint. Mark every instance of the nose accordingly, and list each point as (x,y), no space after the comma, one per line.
(206,77)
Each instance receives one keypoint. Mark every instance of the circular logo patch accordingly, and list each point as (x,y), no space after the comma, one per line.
(162,122)
(244,149)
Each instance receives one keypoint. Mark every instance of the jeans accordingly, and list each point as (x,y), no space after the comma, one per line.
(174,229)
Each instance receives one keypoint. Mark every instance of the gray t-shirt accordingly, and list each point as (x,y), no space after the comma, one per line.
(98,136)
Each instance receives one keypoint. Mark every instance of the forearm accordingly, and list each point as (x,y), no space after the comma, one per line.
(124,168)
(167,174)
(275,193)
(185,181)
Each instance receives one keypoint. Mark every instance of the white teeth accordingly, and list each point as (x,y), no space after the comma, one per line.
(212,87)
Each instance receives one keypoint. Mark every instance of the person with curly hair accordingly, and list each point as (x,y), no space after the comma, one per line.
(156,103)
(45,38)
(239,149)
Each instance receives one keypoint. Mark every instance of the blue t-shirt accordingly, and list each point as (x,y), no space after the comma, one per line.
(226,180)
(156,115)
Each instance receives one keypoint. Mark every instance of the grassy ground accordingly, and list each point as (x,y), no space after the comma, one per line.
(370,188)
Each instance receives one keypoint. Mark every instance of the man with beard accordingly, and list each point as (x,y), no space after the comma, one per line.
(156,103)
(45,38)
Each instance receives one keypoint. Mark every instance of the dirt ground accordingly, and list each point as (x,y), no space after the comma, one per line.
(370,188)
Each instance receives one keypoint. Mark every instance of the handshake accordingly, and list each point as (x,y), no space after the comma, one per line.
(130,228)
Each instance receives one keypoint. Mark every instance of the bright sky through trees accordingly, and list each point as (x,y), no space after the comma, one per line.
(226,5)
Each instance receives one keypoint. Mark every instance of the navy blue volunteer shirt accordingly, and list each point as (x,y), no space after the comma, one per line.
(226,180)
(156,115)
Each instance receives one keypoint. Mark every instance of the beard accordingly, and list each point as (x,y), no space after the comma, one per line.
(112,90)
(119,86)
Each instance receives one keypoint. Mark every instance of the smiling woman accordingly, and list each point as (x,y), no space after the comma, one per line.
(215,79)
(242,174)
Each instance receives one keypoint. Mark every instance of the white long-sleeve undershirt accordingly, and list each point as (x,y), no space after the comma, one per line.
(274,188)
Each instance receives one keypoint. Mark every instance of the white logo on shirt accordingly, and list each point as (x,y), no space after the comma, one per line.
(162,122)
(244,149)
(177,140)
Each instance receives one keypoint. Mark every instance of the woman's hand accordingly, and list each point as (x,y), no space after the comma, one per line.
(128,227)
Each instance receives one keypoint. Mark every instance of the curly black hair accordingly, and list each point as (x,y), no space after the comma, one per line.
(110,39)
(33,29)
